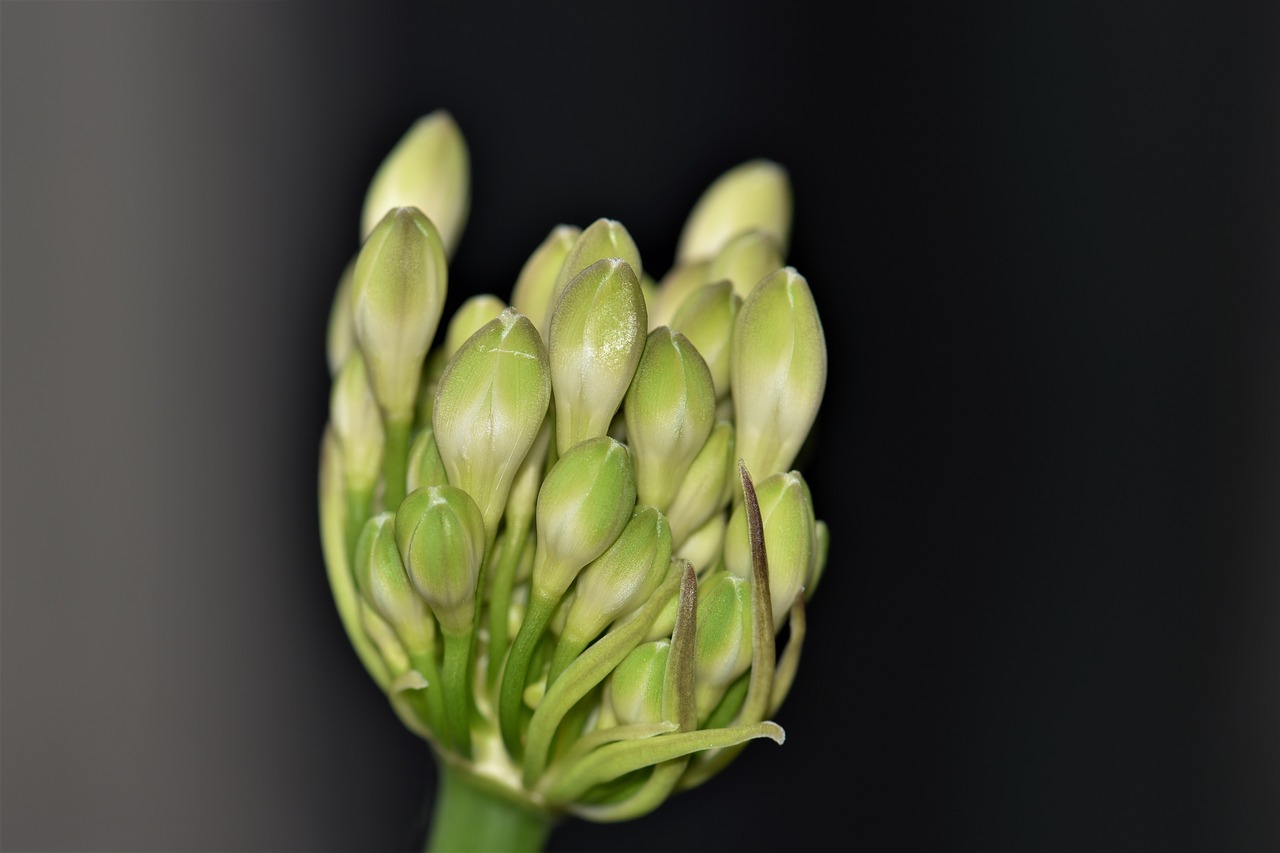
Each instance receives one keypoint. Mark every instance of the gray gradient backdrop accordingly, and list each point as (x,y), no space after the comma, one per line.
(1043,240)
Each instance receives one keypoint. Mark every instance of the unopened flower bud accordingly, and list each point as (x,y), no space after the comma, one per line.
(604,238)
(426,468)
(723,636)
(470,317)
(357,424)
(340,338)
(584,503)
(430,169)
(383,583)
(822,543)
(441,537)
(703,486)
(400,282)
(669,410)
(786,514)
(636,685)
(746,259)
(753,195)
(536,283)
(672,290)
(707,318)
(704,547)
(596,338)
(778,372)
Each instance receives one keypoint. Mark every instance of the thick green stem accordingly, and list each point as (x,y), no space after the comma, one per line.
(469,818)
(395,461)
(457,688)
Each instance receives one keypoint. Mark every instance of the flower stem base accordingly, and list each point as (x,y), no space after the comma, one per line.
(470,818)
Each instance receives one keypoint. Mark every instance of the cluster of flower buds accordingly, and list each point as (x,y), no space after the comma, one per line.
(563,531)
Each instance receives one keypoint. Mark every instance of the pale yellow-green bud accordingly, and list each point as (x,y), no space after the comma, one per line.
(470,317)
(383,583)
(704,547)
(672,290)
(669,410)
(702,491)
(430,169)
(596,338)
(426,468)
(723,637)
(357,424)
(746,259)
(623,577)
(707,318)
(340,338)
(786,514)
(440,533)
(822,543)
(400,282)
(491,401)
(604,238)
(636,685)
(584,503)
(753,195)
(648,289)
(536,283)
(778,372)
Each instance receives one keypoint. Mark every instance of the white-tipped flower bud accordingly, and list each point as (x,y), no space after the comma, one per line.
(753,195)
(704,547)
(723,636)
(746,259)
(636,685)
(673,289)
(596,338)
(400,282)
(440,533)
(669,411)
(430,169)
(702,492)
(536,283)
(357,424)
(786,514)
(470,317)
(707,318)
(604,238)
(490,404)
(778,372)
(383,583)
(426,468)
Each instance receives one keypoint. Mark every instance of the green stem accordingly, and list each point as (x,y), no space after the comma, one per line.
(457,688)
(395,461)
(469,818)
(437,717)
(515,673)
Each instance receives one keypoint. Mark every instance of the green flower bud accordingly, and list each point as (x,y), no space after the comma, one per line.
(584,503)
(400,283)
(723,636)
(786,514)
(703,487)
(440,533)
(470,317)
(636,685)
(426,468)
(706,318)
(604,238)
(596,337)
(821,544)
(778,372)
(430,382)
(746,259)
(430,169)
(492,399)
(753,195)
(704,547)
(340,338)
(672,290)
(669,410)
(537,280)
(649,290)
(357,424)
(383,583)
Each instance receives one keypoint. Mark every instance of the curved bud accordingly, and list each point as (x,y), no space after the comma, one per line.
(669,411)
(357,423)
(426,468)
(384,585)
(752,195)
(723,636)
(706,318)
(340,337)
(704,547)
(636,684)
(597,335)
(537,280)
(822,544)
(672,290)
(470,317)
(703,489)
(441,537)
(400,282)
(585,501)
(604,238)
(491,401)
(778,371)
(430,169)
(746,259)
(786,514)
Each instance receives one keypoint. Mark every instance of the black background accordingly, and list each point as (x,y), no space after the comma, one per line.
(1043,240)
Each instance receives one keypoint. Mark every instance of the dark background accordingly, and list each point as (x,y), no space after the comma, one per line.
(1043,238)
